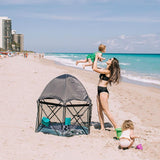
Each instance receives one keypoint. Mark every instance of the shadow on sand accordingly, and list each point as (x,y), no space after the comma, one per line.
(98,126)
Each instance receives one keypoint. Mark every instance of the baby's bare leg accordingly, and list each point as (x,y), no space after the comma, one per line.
(87,64)
(131,143)
(81,61)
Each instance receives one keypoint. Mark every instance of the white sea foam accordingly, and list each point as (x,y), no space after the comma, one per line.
(64,56)
(67,62)
(124,64)
(144,79)
(64,61)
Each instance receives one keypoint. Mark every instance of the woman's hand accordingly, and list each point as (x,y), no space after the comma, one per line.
(95,63)
(96,57)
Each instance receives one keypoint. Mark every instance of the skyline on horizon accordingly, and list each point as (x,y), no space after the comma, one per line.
(81,25)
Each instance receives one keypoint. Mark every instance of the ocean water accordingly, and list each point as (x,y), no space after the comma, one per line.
(143,69)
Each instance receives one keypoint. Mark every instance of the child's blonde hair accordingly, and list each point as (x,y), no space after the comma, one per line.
(101,47)
(127,124)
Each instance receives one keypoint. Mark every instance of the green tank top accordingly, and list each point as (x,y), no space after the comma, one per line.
(92,56)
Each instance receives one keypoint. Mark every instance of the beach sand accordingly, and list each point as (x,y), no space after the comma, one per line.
(22,80)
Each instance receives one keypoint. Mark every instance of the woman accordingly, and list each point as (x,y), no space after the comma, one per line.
(109,75)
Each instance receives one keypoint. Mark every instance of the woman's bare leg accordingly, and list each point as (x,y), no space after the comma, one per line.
(100,114)
(104,103)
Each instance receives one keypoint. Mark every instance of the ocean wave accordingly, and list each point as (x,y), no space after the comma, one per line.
(60,55)
(124,64)
(61,60)
(144,79)
(67,62)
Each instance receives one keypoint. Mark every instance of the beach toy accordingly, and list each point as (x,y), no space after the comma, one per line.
(45,121)
(67,121)
(139,146)
(118,132)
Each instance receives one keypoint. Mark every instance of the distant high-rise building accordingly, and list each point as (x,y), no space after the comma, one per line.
(18,42)
(5,33)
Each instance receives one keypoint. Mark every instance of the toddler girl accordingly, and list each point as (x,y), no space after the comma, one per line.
(127,137)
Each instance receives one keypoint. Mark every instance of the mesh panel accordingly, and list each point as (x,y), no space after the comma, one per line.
(79,113)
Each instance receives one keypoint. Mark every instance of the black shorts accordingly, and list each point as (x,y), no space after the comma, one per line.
(102,89)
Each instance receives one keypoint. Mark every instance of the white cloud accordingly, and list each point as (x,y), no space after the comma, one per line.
(98,43)
(142,43)
(88,18)
(126,48)
(65,2)
(139,42)
(113,42)
(123,36)
(130,19)
(19,2)
(148,35)
(56,17)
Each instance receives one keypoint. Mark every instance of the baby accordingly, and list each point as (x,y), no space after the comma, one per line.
(91,57)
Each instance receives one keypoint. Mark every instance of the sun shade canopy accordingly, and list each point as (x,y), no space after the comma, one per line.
(65,88)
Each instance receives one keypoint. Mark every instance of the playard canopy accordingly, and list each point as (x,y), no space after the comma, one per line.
(64,108)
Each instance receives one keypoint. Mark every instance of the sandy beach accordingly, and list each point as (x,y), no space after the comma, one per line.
(22,80)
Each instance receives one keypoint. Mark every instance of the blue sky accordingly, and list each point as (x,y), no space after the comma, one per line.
(81,25)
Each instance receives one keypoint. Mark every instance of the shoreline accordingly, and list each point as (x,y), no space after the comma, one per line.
(22,83)
(124,79)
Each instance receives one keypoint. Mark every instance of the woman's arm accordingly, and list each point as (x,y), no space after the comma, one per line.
(99,70)
(100,58)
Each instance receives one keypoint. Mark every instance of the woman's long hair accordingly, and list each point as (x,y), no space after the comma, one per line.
(115,71)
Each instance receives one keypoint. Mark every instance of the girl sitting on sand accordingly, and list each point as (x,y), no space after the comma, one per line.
(127,137)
